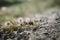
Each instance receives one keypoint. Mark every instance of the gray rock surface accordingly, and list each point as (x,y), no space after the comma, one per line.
(47,29)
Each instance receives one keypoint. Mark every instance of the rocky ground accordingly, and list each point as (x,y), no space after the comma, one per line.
(47,28)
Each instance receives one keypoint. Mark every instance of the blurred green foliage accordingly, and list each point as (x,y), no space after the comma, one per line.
(10,0)
(50,1)
(29,7)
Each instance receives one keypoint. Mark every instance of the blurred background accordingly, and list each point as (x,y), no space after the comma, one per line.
(24,8)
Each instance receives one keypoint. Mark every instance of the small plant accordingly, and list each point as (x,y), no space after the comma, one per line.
(20,23)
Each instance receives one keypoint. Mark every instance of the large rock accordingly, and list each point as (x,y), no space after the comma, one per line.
(47,29)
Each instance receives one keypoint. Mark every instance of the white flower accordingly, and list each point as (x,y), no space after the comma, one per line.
(7,24)
(27,20)
(20,20)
